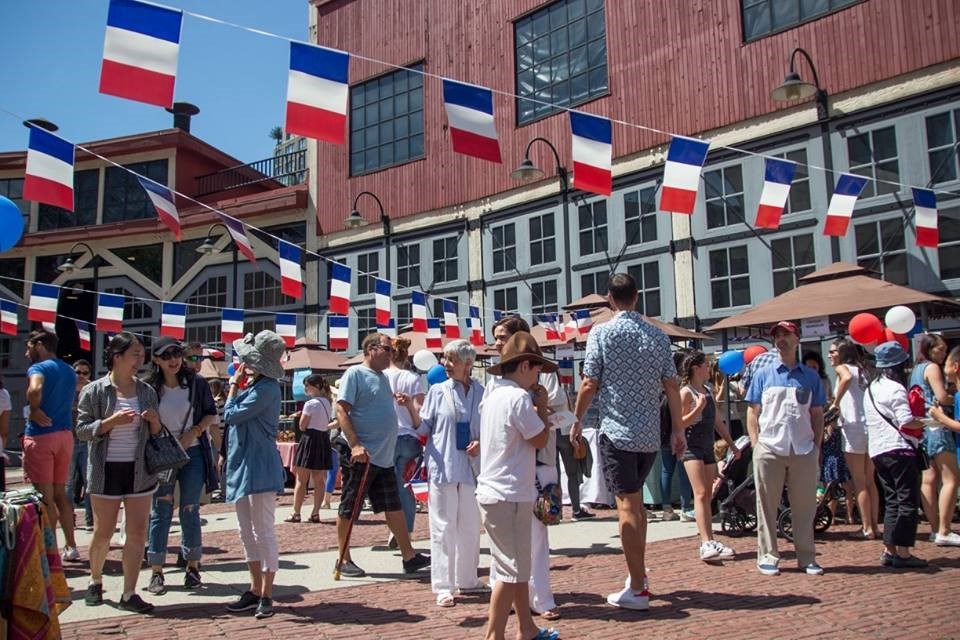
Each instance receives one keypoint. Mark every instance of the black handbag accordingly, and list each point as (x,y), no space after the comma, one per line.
(164,453)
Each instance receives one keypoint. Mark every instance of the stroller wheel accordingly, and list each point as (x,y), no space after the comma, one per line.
(785,524)
(750,521)
(733,523)
(823,519)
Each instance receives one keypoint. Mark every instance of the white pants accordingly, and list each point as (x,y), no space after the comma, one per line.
(454,536)
(255,518)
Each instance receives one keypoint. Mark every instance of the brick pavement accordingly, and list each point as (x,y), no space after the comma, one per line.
(855,599)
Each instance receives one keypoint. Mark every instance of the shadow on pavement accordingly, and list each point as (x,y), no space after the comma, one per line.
(350,613)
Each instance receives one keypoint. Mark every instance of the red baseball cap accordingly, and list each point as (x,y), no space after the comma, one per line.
(786,326)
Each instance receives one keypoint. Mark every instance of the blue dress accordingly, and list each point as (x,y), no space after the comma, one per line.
(833,466)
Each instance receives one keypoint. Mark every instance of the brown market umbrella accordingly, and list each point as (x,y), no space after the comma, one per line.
(312,357)
(599,315)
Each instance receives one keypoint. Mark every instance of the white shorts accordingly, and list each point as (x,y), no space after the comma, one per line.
(854,438)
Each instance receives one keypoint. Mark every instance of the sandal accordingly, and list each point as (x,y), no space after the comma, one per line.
(445,600)
(552,614)
(547,634)
(295,517)
(314,518)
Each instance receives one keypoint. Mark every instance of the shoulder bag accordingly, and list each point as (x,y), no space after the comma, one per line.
(923,460)
(163,452)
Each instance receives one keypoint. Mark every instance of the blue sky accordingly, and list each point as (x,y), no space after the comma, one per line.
(51,52)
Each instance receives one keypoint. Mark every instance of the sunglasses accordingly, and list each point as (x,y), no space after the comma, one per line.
(385,347)
(83,372)
(171,354)
(193,358)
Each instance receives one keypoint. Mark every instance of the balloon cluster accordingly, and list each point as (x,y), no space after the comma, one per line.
(867,330)
(11,224)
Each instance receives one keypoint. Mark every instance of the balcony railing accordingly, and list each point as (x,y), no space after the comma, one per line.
(287,169)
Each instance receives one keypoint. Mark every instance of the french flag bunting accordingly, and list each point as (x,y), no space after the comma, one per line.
(925,206)
(43,302)
(338,337)
(389,329)
(239,235)
(163,201)
(173,320)
(109,313)
(592,153)
(49,174)
(840,209)
(777,177)
(565,370)
(140,52)
(497,315)
(451,323)
(317,92)
(291,280)
(681,175)
(473,130)
(434,340)
(584,321)
(418,300)
(8,317)
(83,331)
(339,289)
(476,327)
(549,322)
(287,328)
(231,325)
(381,290)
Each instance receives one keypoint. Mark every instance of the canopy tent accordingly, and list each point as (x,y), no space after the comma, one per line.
(418,342)
(588,302)
(211,369)
(309,354)
(599,315)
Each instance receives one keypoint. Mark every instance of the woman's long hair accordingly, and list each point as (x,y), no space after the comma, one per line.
(693,359)
(927,342)
(401,352)
(155,377)
(897,373)
(118,345)
(318,381)
(849,353)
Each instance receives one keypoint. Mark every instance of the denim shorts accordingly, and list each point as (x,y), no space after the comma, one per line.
(936,441)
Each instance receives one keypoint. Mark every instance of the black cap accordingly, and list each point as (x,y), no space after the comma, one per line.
(163,343)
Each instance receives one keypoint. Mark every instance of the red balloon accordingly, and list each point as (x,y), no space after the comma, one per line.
(899,337)
(753,352)
(866,328)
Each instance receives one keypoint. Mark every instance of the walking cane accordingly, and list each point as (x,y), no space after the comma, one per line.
(357,504)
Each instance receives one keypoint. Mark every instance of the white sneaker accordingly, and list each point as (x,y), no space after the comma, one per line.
(949,540)
(725,552)
(709,551)
(646,583)
(669,515)
(688,516)
(70,554)
(933,537)
(630,599)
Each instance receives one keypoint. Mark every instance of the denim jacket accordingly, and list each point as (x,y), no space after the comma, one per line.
(253,462)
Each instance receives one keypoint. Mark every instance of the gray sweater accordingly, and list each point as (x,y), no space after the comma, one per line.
(98,400)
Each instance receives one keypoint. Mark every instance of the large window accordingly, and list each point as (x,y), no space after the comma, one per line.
(404,314)
(184,256)
(542,239)
(593,227)
(943,133)
(595,282)
(505,299)
(949,223)
(793,258)
(12,189)
(368,268)
(85,186)
(147,259)
(729,277)
(640,215)
(386,121)
(874,155)
(504,247)
(211,294)
(763,17)
(261,290)
(724,196)
(124,198)
(544,296)
(799,199)
(133,308)
(445,260)
(881,247)
(561,57)
(647,277)
(203,333)
(366,322)
(408,265)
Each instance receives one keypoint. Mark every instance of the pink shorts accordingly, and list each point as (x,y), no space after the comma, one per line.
(46,458)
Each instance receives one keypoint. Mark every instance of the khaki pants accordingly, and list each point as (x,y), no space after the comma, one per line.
(799,473)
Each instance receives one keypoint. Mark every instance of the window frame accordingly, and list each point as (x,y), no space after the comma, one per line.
(723,198)
(366,273)
(795,270)
(499,247)
(846,4)
(729,277)
(407,267)
(130,189)
(505,293)
(540,241)
(444,260)
(540,291)
(596,233)
(645,214)
(870,190)
(953,118)
(644,290)
(878,260)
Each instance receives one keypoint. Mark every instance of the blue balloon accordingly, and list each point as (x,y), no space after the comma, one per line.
(436,374)
(231,369)
(11,224)
(731,362)
(917,328)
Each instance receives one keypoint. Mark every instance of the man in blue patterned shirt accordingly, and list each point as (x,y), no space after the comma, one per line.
(628,364)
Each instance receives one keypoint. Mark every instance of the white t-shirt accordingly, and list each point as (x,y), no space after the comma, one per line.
(507,419)
(174,405)
(4,400)
(852,402)
(891,399)
(403,381)
(122,444)
(318,410)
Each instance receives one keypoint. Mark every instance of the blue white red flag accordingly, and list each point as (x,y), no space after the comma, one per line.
(592,153)
(381,290)
(8,317)
(925,217)
(109,313)
(476,327)
(83,332)
(777,177)
(840,210)
(287,328)
(231,325)
(239,235)
(163,201)
(49,174)
(291,280)
(549,322)
(681,175)
(418,304)
(389,329)
(451,323)
(339,289)
(565,369)
(140,52)
(584,321)
(338,333)
(434,339)
(497,315)
(173,320)
(317,92)
(43,302)
(473,130)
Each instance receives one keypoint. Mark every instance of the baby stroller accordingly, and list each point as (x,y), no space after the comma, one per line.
(735,498)
(822,518)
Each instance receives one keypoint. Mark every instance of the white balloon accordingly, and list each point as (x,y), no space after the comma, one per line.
(900,319)
(424,360)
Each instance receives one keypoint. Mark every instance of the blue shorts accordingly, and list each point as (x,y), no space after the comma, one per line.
(937,441)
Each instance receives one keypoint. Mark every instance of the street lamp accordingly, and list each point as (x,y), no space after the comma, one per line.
(795,88)
(355,220)
(208,248)
(528,171)
(69,267)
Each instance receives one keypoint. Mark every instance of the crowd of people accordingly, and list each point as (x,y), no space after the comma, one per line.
(490,454)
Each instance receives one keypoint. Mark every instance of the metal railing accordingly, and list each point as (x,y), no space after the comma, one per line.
(288,169)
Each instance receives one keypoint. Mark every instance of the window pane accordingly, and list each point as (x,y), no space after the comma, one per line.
(782,281)
(718,263)
(741,291)
(895,268)
(720,294)
(939,131)
(803,249)
(756,22)
(780,250)
(884,144)
(866,236)
(716,214)
(892,236)
(858,147)
(387,128)
(738,260)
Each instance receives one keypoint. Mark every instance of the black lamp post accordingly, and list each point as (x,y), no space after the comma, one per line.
(355,220)
(209,247)
(794,88)
(69,266)
(528,171)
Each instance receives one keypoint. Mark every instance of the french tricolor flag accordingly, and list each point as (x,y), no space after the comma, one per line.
(317,92)
(549,322)
(49,174)
(287,328)
(840,209)
(162,199)
(565,367)
(451,323)
(83,332)
(231,325)
(584,321)
(8,317)
(592,153)
(497,315)
(239,235)
(173,320)
(434,339)
(418,303)
(476,327)
(925,206)
(291,280)
(140,52)
(777,177)
(339,289)
(338,337)
(43,302)
(681,176)
(470,114)
(389,329)
(109,313)
(381,292)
